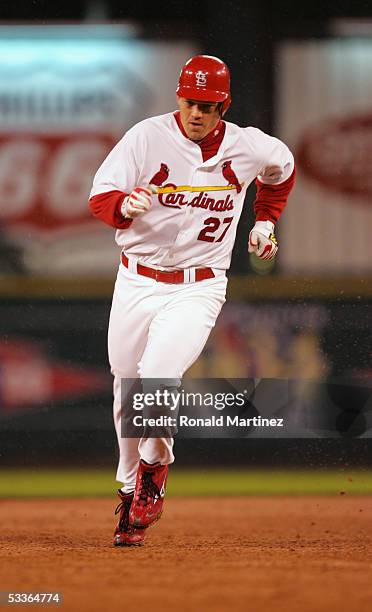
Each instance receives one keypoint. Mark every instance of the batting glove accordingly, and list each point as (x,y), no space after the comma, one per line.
(137,203)
(262,240)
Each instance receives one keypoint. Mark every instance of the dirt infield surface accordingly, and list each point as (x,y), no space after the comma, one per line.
(228,554)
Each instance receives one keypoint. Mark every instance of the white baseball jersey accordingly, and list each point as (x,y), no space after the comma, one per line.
(194,216)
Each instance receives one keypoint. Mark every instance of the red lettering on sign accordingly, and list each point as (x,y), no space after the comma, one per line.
(45,179)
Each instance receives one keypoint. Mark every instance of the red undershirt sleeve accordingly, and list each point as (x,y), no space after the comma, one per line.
(107,208)
(271,199)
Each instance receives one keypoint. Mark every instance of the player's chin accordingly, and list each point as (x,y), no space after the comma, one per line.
(196,133)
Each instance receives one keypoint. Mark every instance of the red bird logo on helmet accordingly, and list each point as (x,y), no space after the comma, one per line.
(230,176)
(160,176)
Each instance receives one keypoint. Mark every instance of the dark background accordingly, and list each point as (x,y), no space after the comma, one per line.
(80,432)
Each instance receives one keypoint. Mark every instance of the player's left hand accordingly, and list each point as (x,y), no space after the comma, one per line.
(262,240)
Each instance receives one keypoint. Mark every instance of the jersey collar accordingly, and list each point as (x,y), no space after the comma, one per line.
(210,144)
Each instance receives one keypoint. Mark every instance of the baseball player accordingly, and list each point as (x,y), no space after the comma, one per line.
(174,188)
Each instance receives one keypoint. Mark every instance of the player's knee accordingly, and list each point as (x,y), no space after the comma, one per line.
(124,372)
(159,371)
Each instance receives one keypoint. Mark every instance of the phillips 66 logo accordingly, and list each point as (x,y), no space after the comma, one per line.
(62,108)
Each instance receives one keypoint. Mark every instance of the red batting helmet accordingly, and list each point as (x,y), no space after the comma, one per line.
(205,78)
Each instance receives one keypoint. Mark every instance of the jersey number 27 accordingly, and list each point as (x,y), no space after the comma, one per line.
(211,226)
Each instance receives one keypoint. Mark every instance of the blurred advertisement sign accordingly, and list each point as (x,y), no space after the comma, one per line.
(346,144)
(325,116)
(30,378)
(297,340)
(67,94)
(44,179)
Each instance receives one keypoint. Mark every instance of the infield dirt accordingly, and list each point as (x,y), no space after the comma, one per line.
(298,554)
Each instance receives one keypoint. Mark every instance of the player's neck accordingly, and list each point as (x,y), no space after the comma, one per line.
(211,134)
(210,144)
(214,133)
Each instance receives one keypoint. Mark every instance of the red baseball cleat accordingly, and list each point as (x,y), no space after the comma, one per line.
(149,494)
(125,534)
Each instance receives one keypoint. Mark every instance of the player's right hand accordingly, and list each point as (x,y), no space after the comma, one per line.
(137,203)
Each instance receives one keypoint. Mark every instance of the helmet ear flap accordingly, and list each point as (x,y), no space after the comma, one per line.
(224,106)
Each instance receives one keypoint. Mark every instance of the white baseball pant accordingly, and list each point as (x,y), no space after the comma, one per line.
(156,330)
